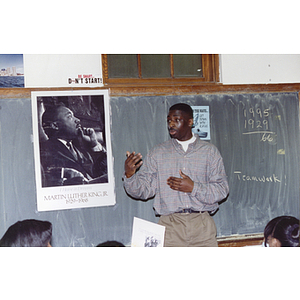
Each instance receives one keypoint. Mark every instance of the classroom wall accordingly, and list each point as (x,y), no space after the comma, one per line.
(87,227)
(259,68)
(54,69)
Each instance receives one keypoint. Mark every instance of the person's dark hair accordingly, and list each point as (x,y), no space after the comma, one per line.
(111,244)
(49,116)
(183,107)
(285,229)
(27,233)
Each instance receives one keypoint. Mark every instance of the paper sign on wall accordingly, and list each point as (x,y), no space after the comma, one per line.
(72,149)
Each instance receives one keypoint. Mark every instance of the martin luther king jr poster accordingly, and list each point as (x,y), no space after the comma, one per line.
(72,149)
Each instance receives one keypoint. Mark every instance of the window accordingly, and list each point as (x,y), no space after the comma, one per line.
(160,69)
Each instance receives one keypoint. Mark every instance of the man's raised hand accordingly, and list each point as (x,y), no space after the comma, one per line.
(132,163)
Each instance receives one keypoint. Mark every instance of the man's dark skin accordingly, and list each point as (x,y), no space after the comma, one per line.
(64,125)
(68,127)
(180,128)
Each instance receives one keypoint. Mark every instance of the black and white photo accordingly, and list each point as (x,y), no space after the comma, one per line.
(72,149)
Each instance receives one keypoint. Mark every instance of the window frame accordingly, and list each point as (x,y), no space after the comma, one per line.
(210,66)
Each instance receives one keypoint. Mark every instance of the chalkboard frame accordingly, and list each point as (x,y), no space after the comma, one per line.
(74,224)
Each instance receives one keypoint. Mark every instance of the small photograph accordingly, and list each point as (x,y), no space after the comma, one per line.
(72,140)
(11,71)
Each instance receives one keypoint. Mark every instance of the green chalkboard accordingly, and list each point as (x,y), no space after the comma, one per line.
(257,135)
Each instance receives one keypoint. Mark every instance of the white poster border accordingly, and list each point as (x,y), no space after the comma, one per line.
(75,196)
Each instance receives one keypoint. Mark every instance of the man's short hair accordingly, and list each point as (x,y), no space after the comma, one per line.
(183,107)
(50,116)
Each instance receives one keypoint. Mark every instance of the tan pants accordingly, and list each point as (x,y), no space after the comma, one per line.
(189,230)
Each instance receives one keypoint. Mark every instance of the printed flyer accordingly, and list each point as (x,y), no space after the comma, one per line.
(201,122)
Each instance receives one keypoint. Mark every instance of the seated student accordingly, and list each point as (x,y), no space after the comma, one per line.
(28,233)
(282,231)
(111,244)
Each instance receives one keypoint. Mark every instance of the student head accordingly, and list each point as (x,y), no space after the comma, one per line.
(59,121)
(282,231)
(28,233)
(111,244)
(180,121)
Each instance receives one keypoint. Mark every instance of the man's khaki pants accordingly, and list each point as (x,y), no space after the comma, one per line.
(189,230)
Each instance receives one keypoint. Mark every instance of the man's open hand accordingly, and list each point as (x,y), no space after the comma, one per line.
(184,184)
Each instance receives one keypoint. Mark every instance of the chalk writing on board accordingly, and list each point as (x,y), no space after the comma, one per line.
(264,132)
(267,136)
(270,178)
(256,118)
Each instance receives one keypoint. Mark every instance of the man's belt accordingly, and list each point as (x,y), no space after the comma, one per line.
(189,211)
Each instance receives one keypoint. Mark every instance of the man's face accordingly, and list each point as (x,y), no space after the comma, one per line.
(179,125)
(68,125)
